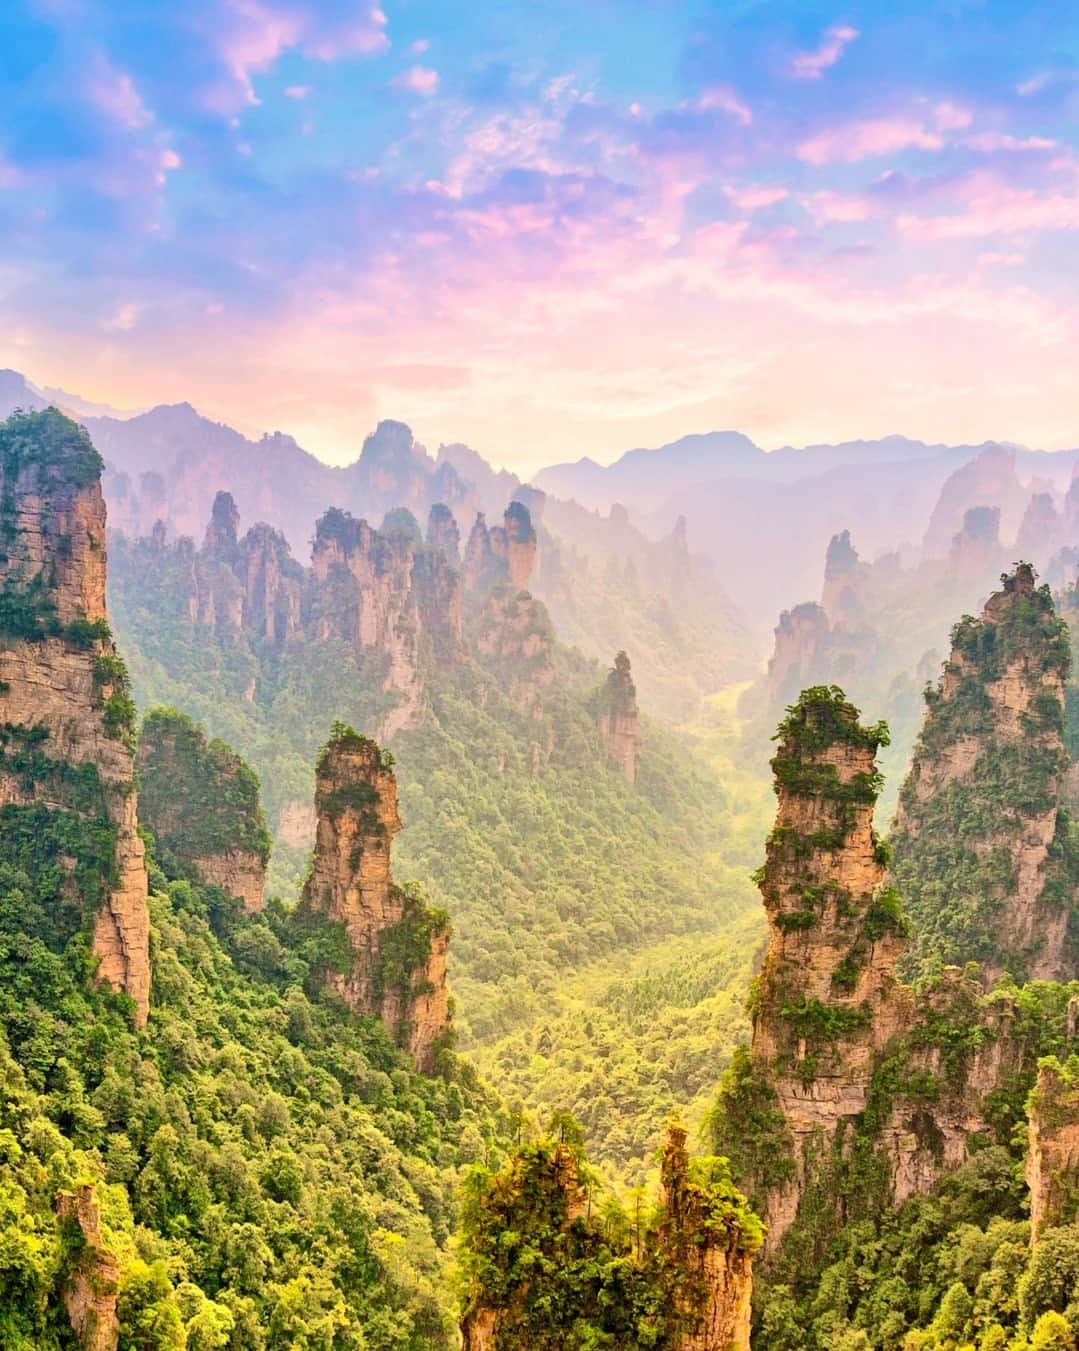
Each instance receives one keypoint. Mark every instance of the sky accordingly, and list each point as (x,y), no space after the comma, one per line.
(548,230)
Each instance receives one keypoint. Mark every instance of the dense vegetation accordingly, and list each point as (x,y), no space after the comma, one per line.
(271,1172)
(955,850)
(544,859)
(560,1267)
(198,797)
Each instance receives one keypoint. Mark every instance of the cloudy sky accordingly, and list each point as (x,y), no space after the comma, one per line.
(548,230)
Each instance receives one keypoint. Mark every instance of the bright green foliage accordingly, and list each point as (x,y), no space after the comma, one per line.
(48,444)
(561,1267)
(823,717)
(198,797)
(957,866)
(271,1172)
(850,1261)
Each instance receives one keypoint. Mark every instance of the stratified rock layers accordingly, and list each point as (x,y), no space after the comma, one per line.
(828,997)
(397,945)
(63,689)
(91,1279)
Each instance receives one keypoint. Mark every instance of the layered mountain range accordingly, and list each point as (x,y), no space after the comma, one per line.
(607,585)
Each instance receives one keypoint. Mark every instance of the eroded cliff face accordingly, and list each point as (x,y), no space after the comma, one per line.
(713,1295)
(202,803)
(828,999)
(397,945)
(363,583)
(92,1273)
(65,713)
(858,1091)
(618,718)
(978,837)
(1052,1170)
(846,579)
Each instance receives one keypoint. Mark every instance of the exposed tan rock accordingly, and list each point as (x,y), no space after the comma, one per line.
(384,616)
(618,718)
(64,685)
(834,939)
(91,1280)
(398,971)
(515,541)
(800,638)
(239,873)
(846,578)
(477,559)
(273,585)
(1053,1149)
(715,1287)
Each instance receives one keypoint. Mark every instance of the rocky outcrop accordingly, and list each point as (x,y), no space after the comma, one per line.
(368,598)
(514,640)
(398,945)
(1039,528)
(828,999)
(976,836)
(476,565)
(618,718)
(713,1295)
(976,550)
(800,641)
(443,532)
(988,480)
(845,581)
(91,1273)
(1052,1169)
(501,555)
(202,803)
(515,542)
(540,1269)
(63,689)
(272,585)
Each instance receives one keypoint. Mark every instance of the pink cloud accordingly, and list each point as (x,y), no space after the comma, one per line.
(727,100)
(115,94)
(297,91)
(418,47)
(992,141)
(995,208)
(251,36)
(952,117)
(812,65)
(835,207)
(420,80)
(756,196)
(863,140)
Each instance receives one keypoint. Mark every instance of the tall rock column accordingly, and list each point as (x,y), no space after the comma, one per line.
(618,718)
(827,999)
(397,944)
(66,717)
(92,1273)
(1053,1147)
(980,835)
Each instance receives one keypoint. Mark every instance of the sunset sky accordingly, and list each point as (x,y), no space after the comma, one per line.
(548,229)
